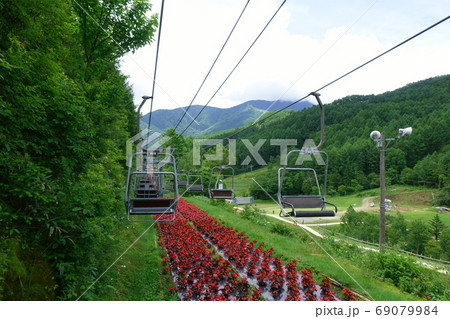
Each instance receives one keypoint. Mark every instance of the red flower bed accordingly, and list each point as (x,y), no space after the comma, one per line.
(326,293)
(198,274)
(348,295)
(210,261)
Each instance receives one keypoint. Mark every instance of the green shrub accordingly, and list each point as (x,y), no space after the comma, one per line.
(254,214)
(282,229)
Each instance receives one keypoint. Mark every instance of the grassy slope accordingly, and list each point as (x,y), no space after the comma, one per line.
(308,253)
(413,202)
(138,274)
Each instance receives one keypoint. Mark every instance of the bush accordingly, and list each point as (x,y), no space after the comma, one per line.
(393,267)
(254,215)
(282,229)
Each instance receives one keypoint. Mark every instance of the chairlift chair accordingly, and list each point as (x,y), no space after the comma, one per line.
(218,192)
(167,181)
(306,205)
(144,190)
(185,181)
(197,181)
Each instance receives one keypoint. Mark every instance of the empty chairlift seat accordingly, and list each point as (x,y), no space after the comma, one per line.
(150,206)
(144,191)
(218,174)
(307,206)
(195,177)
(304,205)
(183,178)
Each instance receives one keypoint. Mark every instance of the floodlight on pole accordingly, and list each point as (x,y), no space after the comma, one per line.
(404,131)
(382,145)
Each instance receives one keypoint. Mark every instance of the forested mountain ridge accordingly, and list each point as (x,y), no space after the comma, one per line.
(420,159)
(213,119)
(65,114)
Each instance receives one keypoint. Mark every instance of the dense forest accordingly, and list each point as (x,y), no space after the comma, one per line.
(422,159)
(65,114)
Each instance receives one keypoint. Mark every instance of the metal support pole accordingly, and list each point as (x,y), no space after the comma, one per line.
(144,98)
(382,148)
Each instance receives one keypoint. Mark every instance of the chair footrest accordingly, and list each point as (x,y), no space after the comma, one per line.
(314,213)
(142,211)
(221,194)
(151,206)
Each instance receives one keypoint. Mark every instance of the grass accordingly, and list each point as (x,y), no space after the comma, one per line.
(414,203)
(242,182)
(138,274)
(308,252)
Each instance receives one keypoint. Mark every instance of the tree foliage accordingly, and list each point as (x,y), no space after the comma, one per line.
(420,237)
(420,159)
(65,115)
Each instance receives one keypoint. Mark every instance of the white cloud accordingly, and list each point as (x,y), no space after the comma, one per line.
(282,64)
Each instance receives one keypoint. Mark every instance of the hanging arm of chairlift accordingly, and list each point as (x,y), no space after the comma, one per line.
(144,99)
(322,120)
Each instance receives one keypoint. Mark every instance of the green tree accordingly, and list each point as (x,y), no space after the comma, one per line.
(418,236)
(62,143)
(432,249)
(436,227)
(444,242)
(396,230)
(112,28)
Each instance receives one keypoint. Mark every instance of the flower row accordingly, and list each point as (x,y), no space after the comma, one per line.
(198,273)
(210,261)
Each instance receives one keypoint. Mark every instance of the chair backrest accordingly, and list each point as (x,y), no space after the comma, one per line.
(221,193)
(152,203)
(304,201)
(243,200)
(195,188)
(182,183)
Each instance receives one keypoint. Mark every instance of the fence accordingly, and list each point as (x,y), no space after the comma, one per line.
(385,246)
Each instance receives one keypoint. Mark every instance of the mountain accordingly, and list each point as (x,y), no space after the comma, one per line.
(213,119)
(422,159)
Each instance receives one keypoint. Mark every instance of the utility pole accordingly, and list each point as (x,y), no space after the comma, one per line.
(382,148)
(382,145)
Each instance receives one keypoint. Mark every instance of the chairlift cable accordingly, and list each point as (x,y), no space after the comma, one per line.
(317,60)
(156,65)
(212,66)
(385,52)
(242,58)
(341,77)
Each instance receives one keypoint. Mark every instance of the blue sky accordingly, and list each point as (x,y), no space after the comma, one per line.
(307,45)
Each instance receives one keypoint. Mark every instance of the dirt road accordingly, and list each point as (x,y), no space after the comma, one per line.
(366,204)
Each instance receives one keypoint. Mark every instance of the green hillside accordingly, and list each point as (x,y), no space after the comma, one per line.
(420,159)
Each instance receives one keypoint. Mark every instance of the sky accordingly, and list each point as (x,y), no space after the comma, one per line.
(307,45)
